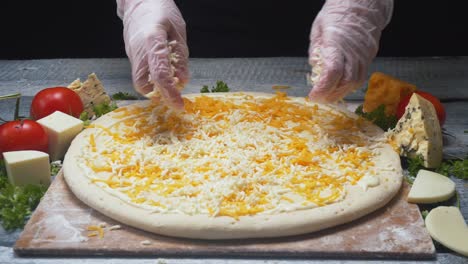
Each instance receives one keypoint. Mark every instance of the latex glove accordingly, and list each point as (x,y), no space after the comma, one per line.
(156,45)
(343,42)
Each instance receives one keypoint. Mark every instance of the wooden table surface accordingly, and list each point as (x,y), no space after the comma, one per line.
(445,77)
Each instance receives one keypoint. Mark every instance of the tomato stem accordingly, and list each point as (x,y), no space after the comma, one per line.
(17,106)
(10,96)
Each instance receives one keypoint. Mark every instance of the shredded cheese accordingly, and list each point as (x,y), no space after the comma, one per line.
(98,231)
(231,157)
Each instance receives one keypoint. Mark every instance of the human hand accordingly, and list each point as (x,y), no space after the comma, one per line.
(156,45)
(343,42)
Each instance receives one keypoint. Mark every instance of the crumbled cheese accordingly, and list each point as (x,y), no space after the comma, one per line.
(114,227)
(145,243)
(229,157)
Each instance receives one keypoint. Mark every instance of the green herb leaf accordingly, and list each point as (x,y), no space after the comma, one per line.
(104,108)
(414,165)
(17,203)
(456,168)
(124,96)
(55,167)
(424,213)
(378,117)
(221,87)
(205,89)
(84,116)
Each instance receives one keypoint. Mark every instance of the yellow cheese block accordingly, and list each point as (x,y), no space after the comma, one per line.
(27,167)
(387,90)
(61,129)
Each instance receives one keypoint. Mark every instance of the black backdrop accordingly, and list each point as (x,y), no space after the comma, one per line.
(228,28)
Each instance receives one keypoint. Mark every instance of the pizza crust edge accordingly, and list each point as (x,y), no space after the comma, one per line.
(354,206)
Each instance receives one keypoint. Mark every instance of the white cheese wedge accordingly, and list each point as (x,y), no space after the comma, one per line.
(431,187)
(61,129)
(91,92)
(418,133)
(27,167)
(447,226)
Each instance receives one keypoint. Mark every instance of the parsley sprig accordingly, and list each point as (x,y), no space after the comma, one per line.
(104,108)
(124,96)
(17,203)
(221,87)
(99,110)
(456,168)
(378,117)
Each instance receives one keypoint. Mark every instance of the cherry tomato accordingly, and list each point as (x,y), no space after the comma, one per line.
(23,135)
(54,99)
(440,110)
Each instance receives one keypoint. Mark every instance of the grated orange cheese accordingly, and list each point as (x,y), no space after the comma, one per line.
(230,157)
(99,231)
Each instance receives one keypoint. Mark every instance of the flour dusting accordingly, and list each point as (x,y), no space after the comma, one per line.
(57,228)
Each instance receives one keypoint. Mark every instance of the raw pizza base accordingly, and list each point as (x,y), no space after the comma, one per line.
(356,204)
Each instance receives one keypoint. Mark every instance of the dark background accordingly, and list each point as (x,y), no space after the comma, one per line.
(254,28)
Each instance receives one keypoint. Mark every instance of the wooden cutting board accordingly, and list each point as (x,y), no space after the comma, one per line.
(59,227)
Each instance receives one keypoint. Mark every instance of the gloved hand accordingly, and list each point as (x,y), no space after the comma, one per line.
(343,42)
(156,45)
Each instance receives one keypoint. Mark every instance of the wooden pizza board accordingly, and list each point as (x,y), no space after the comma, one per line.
(58,227)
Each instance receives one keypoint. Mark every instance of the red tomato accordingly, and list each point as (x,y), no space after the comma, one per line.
(440,110)
(23,135)
(54,99)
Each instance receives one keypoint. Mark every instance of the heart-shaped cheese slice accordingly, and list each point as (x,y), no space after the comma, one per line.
(447,226)
(431,187)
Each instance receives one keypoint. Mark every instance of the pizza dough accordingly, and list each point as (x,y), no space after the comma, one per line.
(233,165)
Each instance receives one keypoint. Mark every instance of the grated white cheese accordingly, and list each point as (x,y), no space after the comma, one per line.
(239,157)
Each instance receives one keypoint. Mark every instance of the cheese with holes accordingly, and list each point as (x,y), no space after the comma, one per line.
(447,226)
(61,129)
(91,92)
(27,167)
(418,132)
(431,187)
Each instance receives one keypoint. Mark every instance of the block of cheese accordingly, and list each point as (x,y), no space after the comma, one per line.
(387,90)
(431,187)
(91,92)
(61,129)
(418,132)
(27,167)
(446,225)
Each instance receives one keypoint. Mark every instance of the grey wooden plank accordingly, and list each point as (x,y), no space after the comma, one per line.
(445,77)
(7,256)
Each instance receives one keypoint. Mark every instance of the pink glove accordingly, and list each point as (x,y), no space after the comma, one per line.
(344,41)
(156,44)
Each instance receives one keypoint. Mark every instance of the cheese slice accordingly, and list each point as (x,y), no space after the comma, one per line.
(91,92)
(27,167)
(447,226)
(418,133)
(431,187)
(61,129)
